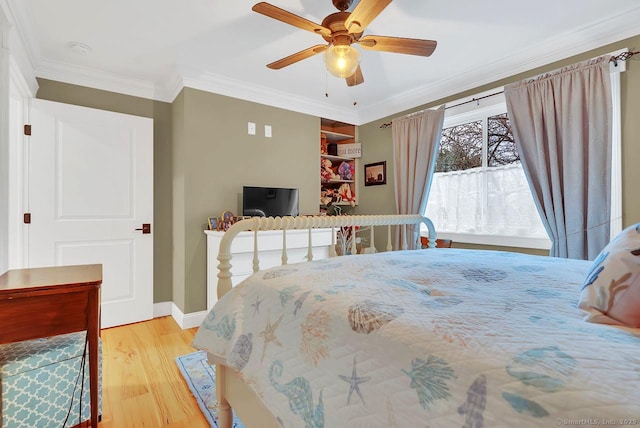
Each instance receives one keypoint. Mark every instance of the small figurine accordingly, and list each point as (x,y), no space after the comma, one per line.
(226,220)
(323,144)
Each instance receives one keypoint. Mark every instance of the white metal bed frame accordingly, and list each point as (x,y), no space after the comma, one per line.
(231,390)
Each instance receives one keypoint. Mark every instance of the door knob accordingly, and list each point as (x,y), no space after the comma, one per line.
(146,228)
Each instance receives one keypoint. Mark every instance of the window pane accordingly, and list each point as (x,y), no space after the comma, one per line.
(501,149)
(460,147)
(457,203)
(510,207)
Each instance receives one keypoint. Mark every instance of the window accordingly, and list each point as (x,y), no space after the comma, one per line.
(479,192)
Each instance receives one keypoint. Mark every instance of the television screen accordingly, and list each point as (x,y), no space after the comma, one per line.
(269,201)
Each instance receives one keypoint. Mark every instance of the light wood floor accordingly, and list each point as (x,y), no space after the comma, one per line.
(141,383)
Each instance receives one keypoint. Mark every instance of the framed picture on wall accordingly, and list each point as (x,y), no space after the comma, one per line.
(375,173)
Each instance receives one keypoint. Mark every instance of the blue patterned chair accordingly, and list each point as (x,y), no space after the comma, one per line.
(37,382)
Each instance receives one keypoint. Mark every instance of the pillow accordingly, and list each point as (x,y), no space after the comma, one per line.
(611,292)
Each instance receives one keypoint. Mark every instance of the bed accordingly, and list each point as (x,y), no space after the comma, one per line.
(423,337)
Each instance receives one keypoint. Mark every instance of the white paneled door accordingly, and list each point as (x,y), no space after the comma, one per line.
(90,191)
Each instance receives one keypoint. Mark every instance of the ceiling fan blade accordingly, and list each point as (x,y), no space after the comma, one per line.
(289,18)
(365,12)
(298,56)
(356,78)
(399,45)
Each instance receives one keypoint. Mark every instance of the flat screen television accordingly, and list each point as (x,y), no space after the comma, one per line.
(269,201)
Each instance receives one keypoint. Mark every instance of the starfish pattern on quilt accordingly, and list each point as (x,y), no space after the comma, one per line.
(256,305)
(269,335)
(354,382)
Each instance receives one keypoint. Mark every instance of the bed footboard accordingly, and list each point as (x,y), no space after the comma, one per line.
(408,225)
(232,392)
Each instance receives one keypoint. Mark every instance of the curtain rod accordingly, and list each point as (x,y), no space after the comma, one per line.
(386,125)
(621,57)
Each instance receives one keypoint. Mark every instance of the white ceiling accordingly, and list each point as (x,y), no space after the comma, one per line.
(152,48)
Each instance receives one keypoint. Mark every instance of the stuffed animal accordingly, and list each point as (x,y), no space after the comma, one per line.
(345,171)
(327,196)
(325,176)
(326,171)
(345,194)
(324,199)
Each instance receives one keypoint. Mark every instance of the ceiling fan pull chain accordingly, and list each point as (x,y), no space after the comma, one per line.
(326,84)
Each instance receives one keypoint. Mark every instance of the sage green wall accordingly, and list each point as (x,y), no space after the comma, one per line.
(202,158)
(214,157)
(377,142)
(179,150)
(161,114)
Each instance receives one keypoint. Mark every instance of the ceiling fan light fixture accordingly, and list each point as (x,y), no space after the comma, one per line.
(342,60)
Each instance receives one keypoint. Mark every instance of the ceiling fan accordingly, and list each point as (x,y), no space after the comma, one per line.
(340,30)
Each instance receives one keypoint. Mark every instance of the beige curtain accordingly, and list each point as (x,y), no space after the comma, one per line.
(562,127)
(416,139)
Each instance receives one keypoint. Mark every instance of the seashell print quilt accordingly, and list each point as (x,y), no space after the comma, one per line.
(436,338)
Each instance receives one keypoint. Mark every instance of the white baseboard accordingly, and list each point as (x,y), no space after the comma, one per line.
(162,309)
(190,320)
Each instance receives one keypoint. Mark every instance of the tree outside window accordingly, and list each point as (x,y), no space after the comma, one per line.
(501,148)
(461,146)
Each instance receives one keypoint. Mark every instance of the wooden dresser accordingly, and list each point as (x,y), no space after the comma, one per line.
(42,302)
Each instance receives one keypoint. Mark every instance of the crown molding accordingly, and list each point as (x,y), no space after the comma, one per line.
(166,89)
(22,72)
(99,79)
(591,37)
(24,87)
(16,13)
(174,86)
(259,94)
(20,49)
